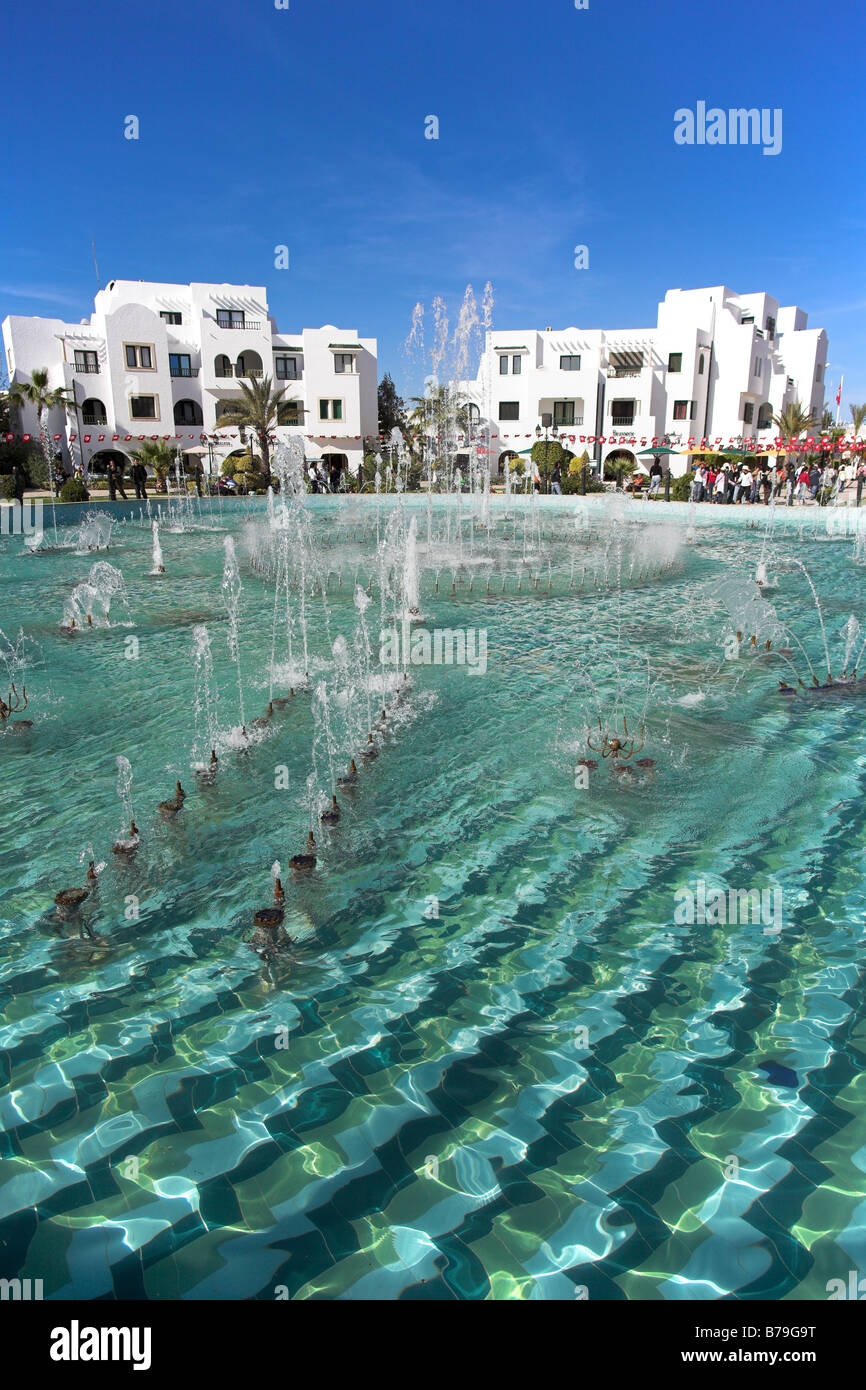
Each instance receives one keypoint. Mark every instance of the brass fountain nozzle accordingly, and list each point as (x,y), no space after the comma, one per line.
(91,870)
(279,895)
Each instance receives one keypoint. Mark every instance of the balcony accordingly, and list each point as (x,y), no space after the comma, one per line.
(85,368)
(250,371)
(289,376)
(224,371)
(90,419)
(249,326)
(622,422)
(183,371)
(568,424)
(622,372)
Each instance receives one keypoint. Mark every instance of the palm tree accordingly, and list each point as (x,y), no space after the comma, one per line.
(858,415)
(795,419)
(43,398)
(257,410)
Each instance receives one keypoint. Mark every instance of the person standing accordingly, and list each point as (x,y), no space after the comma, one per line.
(556,480)
(802,484)
(655,477)
(115,480)
(138,474)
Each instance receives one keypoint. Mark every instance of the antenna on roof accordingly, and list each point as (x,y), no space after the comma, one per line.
(95,264)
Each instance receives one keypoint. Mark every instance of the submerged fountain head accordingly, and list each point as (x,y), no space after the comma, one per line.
(69,900)
(279,895)
(332,814)
(612,746)
(14,704)
(305,861)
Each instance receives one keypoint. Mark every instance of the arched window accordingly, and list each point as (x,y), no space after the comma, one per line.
(188,413)
(249,364)
(93,412)
(222,366)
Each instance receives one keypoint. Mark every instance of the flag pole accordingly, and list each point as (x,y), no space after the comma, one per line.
(839,399)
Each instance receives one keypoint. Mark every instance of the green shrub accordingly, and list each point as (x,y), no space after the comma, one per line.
(7,487)
(571,480)
(73,490)
(681,488)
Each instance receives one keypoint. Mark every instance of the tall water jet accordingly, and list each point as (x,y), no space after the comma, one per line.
(205,729)
(411,598)
(158,566)
(231,592)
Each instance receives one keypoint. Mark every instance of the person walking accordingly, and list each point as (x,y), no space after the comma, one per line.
(556,480)
(198,474)
(138,475)
(802,484)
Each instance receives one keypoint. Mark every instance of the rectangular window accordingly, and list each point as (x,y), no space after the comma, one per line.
(86,361)
(230,318)
(680,410)
(693,412)
(748,412)
(179,364)
(747,318)
(169,316)
(622,413)
(344,363)
(819,370)
(515,366)
(139,357)
(757,366)
(701,365)
(771,328)
(503,366)
(330,410)
(569,362)
(286,368)
(336,410)
(675,362)
(143,408)
(509,410)
(563,412)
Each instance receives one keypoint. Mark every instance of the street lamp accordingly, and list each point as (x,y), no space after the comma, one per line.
(550,430)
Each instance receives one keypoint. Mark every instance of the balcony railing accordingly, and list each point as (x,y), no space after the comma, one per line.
(624,371)
(251,326)
(289,376)
(94,419)
(224,371)
(622,422)
(250,371)
(183,371)
(568,424)
(86,368)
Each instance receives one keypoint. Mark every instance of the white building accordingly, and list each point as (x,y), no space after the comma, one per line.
(712,373)
(159,361)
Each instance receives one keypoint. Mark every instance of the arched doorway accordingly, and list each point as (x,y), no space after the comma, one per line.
(98,462)
(619,459)
(335,466)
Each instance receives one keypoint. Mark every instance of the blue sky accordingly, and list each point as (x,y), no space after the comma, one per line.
(305,127)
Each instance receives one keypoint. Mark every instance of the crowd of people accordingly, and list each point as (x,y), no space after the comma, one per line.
(758,482)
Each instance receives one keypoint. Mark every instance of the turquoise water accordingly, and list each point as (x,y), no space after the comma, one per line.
(494,1064)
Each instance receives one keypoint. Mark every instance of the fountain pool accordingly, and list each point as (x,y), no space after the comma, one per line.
(495,1059)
